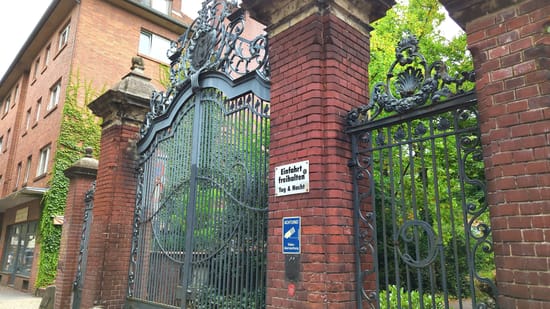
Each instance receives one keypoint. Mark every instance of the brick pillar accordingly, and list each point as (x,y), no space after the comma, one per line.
(319,52)
(123,109)
(81,175)
(510,44)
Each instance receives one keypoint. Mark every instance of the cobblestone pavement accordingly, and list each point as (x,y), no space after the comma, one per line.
(14,299)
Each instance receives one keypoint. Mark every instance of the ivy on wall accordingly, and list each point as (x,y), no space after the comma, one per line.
(79,129)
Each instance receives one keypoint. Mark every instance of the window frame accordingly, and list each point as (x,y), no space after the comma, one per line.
(28,119)
(38,108)
(47,55)
(27,170)
(64,36)
(15,94)
(20,232)
(55,95)
(7,102)
(7,141)
(36,68)
(42,168)
(155,43)
(155,4)
(18,175)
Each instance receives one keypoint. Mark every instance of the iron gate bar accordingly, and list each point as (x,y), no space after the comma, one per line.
(465,100)
(195,153)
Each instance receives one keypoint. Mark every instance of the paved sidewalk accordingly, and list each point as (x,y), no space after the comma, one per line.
(14,299)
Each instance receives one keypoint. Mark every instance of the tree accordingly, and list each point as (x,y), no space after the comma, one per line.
(422,19)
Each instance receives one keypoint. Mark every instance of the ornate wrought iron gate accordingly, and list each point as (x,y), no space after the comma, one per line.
(78,283)
(200,224)
(422,225)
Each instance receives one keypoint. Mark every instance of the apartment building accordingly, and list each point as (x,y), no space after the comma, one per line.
(94,41)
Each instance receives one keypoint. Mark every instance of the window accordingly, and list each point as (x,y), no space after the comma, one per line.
(38,107)
(27,170)
(154,46)
(7,139)
(15,94)
(18,176)
(36,67)
(28,120)
(19,250)
(163,6)
(64,37)
(43,164)
(47,55)
(7,104)
(54,96)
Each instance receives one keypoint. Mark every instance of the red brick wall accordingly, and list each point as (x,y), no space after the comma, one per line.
(46,130)
(109,50)
(110,239)
(318,74)
(511,49)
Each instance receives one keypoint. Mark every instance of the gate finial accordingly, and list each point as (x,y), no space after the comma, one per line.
(137,64)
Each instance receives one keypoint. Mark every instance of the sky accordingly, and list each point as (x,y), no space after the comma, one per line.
(18,19)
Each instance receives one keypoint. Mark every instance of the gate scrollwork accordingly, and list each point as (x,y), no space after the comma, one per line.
(408,232)
(215,41)
(416,84)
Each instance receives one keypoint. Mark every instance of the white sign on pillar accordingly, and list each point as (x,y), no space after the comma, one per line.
(292,178)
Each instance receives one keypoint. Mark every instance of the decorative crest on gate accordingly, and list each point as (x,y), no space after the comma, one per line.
(216,41)
(414,85)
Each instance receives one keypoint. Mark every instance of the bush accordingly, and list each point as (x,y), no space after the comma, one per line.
(408,299)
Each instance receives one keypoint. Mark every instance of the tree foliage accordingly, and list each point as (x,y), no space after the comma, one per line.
(421,18)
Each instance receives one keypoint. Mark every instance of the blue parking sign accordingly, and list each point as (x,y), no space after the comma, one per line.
(291,235)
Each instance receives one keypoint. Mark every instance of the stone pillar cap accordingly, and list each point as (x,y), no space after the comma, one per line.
(128,100)
(135,83)
(86,165)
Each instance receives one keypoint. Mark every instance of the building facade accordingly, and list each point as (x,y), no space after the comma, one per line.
(90,41)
